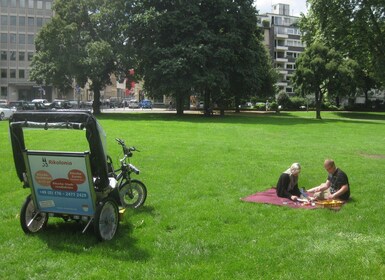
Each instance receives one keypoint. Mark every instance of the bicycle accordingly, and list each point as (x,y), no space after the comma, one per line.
(132,192)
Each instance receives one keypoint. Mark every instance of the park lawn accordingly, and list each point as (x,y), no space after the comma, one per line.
(193,225)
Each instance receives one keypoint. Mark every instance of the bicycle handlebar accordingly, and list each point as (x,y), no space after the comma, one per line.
(126,150)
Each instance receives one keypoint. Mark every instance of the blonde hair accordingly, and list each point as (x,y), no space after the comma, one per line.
(295,168)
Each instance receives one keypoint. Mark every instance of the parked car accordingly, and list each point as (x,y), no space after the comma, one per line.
(3,102)
(133,104)
(5,112)
(21,105)
(114,102)
(60,104)
(74,104)
(44,101)
(145,104)
(124,103)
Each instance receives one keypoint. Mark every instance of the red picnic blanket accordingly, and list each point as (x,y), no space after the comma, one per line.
(269,196)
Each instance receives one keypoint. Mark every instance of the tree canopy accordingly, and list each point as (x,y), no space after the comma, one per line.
(211,47)
(323,71)
(178,48)
(81,42)
(356,28)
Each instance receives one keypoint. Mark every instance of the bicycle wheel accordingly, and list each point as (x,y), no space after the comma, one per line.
(106,219)
(133,194)
(29,212)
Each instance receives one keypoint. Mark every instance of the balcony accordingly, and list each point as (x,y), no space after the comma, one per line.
(281,84)
(281,36)
(281,59)
(281,48)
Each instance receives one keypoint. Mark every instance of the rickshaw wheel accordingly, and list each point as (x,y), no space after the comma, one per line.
(133,194)
(28,211)
(106,220)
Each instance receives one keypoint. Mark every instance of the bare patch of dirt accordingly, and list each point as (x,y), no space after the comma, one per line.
(374,156)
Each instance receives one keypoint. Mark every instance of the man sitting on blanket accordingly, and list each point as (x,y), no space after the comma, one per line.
(336,185)
(287,185)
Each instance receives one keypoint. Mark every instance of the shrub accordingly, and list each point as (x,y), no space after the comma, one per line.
(284,100)
(297,102)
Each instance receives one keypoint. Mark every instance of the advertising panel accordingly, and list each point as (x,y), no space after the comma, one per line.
(61,182)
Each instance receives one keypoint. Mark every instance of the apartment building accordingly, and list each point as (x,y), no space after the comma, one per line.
(20,20)
(282,37)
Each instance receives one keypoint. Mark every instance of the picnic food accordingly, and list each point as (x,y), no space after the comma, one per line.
(329,203)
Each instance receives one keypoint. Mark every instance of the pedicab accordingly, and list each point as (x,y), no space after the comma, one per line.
(78,185)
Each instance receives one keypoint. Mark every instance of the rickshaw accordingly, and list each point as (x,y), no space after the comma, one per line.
(79,185)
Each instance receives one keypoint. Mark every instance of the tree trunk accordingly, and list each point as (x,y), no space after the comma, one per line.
(179,105)
(206,106)
(96,103)
(237,107)
(318,103)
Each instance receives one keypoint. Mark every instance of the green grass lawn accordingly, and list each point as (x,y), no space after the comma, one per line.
(193,225)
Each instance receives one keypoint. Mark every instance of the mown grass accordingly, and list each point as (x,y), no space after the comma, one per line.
(193,225)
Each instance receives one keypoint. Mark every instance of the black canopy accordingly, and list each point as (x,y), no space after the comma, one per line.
(64,119)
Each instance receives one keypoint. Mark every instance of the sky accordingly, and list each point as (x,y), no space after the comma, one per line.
(296,6)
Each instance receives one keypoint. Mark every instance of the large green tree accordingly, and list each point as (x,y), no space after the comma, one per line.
(83,42)
(356,28)
(322,71)
(211,47)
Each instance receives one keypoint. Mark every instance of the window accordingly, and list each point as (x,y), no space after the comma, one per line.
(21,38)
(4,20)
(12,73)
(3,38)
(3,73)
(30,4)
(12,55)
(39,22)
(4,3)
(3,55)
(287,21)
(39,4)
(3,91)
(21,56)
(48,5)
(12,38)
(12,20)
(31,21)
(21,21)
(13,3)
(30,55)
(21,73)
(30,39)
(277,20)
(22,4)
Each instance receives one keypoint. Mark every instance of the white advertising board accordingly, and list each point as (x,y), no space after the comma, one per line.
(61,182)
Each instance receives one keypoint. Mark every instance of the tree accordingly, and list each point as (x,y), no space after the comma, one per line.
(81,42)
(323,71)
(211,47)
(356,28)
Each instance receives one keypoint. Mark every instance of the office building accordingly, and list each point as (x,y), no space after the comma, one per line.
(20,20)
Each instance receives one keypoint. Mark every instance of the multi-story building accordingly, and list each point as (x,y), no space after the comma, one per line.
(20,20)
(282,37)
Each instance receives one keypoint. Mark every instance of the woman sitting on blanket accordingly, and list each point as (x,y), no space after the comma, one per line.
(287,185)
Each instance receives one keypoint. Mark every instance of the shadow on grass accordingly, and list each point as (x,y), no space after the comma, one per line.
(271,118)
(67,236)
(362,115)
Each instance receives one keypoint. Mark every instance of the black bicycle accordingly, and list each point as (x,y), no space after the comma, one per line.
(132,192)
